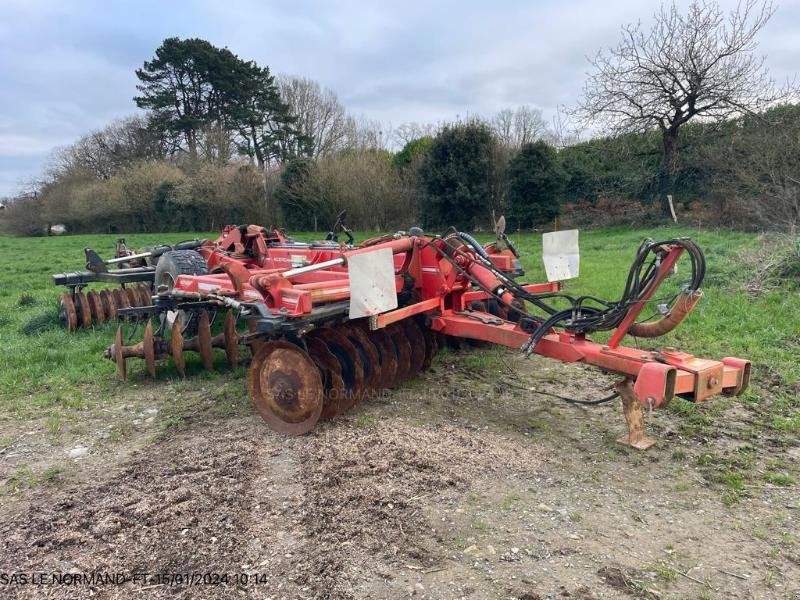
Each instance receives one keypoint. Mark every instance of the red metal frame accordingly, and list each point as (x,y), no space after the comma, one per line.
(444,294)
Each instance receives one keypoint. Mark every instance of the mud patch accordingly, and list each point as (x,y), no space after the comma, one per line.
(369,486)
(312,516)
(175,507)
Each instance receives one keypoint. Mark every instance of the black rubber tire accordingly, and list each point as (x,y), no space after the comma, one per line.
(178,262)
(172,264)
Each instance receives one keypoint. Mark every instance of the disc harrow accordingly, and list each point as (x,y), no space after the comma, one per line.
(338,328)
(350,364)
(238,248)
(79,310)
(155,347)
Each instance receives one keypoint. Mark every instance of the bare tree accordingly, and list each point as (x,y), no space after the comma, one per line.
(515,127)
(563,132)
(321,118)
(699,65)
(366,134)
(407,132)
(105,151)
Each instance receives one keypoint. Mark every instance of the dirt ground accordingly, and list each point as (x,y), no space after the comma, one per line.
(461,484)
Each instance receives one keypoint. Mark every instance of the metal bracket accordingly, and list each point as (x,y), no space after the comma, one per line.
(478,316)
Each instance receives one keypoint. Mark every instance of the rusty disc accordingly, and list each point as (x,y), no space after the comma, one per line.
(403,349)
(121,299)
(176,347)
(133,296)
(109,304)
(149,349)
(286,387)
(431,345)
(143,293)
(417,341)
(84,312)
(231,340)
(387,355)
(255,345)
(334,401)
(368,355)
(96,307)
(204,346)
(66,312)
(349,361)
(119,357)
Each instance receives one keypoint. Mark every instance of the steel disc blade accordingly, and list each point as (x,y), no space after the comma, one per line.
(231,340)
(133,296)
(149,349)
(119,357)
(403,349)
(120,298)
(176,347)
(286,387)
(334,401)
(84,312)
(109,304)
(349,360)
(255,345)
(143,293)
(96,307)
(369,358)
(417,341)
(66,312)
(204,341)
(387,356)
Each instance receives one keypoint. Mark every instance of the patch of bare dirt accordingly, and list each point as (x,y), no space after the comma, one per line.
(369,487)
(480,492)
(311,515)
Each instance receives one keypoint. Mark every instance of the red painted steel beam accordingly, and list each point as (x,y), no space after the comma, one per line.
(682,373)
(633,312)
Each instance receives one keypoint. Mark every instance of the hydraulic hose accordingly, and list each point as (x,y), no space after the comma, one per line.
(473,243)
(683,306)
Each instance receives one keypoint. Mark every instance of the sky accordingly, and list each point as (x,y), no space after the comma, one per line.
(67,66)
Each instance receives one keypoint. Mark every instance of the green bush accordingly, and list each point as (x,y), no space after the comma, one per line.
(457,177)
(535,185)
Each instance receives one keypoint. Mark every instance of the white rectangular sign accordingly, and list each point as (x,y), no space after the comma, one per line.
(561,254)
(372,283)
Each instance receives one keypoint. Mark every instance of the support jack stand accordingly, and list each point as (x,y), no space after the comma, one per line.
(632,409)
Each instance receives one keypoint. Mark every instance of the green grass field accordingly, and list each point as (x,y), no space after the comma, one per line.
(45,366)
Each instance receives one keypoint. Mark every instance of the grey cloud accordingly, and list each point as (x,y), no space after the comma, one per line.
(67,67)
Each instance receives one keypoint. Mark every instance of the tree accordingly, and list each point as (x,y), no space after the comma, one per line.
(752,171)
(535,184)
(413,152)
(299,209)
(699,65)
(322,121)
(515,127)
(457,176)
(105,151)
(267,130)
(199,92)
(181,86)
(408,132)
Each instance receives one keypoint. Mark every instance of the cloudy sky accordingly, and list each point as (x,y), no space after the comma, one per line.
(67,66)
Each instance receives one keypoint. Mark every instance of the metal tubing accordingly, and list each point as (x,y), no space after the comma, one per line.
(316,267)
(121,259)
